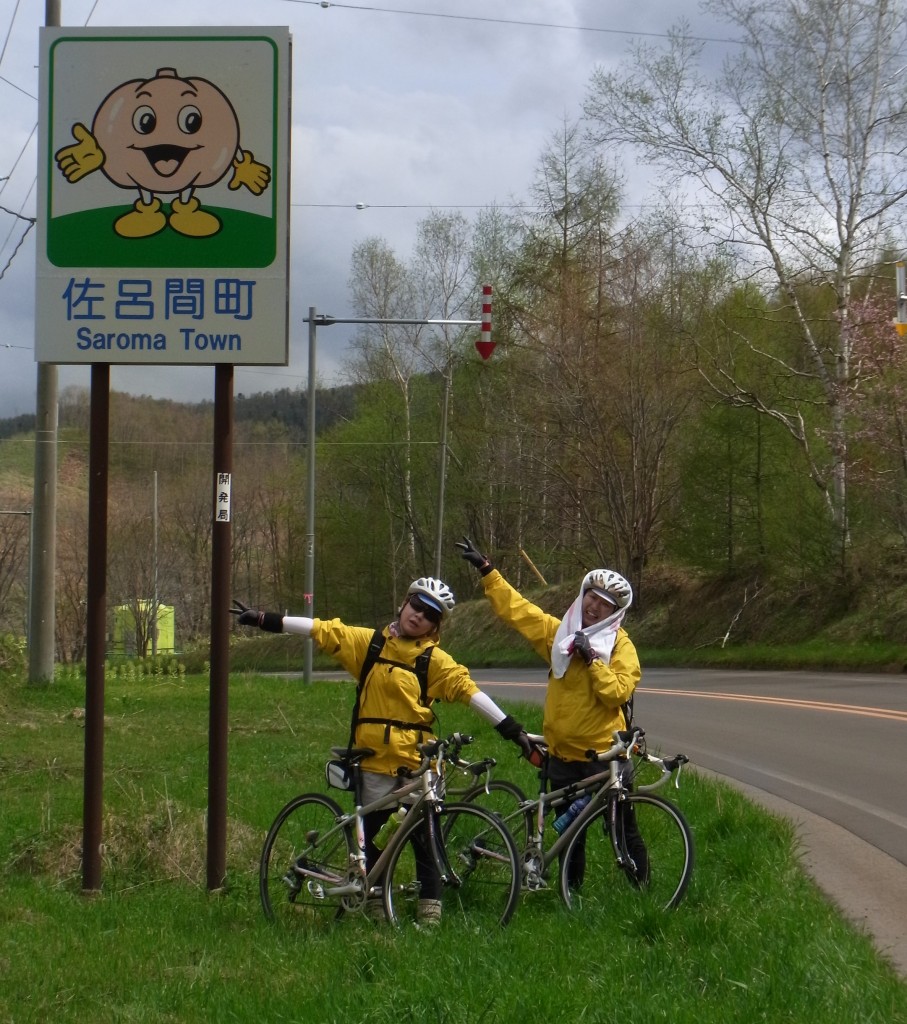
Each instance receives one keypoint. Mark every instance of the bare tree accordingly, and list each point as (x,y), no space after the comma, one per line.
(880,449)
(797,149)
(14,533)
(71,620)
(437,283)
(382,289)
(563,312)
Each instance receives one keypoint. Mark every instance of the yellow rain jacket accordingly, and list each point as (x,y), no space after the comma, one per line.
(583,707)
(391,694)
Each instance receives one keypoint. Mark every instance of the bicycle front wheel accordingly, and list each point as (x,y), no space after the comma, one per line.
(655,848)
(476,858)
(305,853)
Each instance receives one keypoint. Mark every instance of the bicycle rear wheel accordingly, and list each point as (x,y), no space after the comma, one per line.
(304,853)
(503,798)
(479,865)
(656,848)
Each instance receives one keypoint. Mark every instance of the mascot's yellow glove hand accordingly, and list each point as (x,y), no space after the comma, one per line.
(247,171)
(76,161)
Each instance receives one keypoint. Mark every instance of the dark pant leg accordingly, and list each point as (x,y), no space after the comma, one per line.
(560,774)
(634,845)
(426,870)
(371,823)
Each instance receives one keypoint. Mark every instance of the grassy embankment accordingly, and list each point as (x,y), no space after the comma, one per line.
(685,622)
(754,940)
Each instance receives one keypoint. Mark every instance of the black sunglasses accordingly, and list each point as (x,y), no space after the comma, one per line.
(418,605)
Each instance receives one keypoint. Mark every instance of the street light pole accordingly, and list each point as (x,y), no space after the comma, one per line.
(154,597)
(309,596)
(442,482)
(315,320)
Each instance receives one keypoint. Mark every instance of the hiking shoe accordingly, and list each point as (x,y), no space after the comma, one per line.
(428,913)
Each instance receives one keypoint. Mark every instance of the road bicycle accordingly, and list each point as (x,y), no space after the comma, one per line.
(600,849)
(313,861)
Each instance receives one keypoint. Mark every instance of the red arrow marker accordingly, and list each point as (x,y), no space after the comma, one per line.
(485,345)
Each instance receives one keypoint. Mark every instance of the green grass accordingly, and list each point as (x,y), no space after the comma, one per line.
(753,942)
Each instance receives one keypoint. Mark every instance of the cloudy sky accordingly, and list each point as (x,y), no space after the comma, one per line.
(404,107)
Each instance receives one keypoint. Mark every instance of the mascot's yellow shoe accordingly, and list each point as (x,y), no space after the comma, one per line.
(142,221)
(188,219)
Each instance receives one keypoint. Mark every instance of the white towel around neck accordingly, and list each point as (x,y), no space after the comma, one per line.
(601,636)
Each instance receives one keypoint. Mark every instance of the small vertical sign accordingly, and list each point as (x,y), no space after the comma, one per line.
(222,497)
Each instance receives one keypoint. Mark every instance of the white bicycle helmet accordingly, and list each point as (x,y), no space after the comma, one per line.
(437,593)
(611,584)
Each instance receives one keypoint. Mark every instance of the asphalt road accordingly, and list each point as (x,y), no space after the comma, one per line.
(825,749)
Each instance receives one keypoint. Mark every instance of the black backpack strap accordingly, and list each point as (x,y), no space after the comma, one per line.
(375,647)
(395,723)
(372,657)
(421,670)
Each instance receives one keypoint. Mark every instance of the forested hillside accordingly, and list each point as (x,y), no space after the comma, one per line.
(768,581)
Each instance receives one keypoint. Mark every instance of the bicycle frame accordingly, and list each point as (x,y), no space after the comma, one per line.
(361,882)
(605,787)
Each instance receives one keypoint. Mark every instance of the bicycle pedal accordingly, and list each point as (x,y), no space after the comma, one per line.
(291,881)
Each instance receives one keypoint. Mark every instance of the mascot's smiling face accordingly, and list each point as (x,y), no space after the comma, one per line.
(166,134)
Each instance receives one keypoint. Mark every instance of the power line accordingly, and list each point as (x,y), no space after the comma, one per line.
(415,206)
(9,33)
(18,88)
(506,21)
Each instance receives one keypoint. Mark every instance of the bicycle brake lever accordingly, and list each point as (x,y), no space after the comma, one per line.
(680,760)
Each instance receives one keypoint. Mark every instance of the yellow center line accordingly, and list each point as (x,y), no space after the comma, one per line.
(818,705)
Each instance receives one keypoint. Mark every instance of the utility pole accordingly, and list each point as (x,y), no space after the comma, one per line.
(41,612)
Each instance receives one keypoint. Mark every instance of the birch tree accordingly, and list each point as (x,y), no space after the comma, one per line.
(437,283)
(795,151)
(382,289)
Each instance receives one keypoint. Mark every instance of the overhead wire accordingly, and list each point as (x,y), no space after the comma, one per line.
(521,23)
(9,31)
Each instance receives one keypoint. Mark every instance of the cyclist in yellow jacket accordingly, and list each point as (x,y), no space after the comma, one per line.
(390,717)
(594,670)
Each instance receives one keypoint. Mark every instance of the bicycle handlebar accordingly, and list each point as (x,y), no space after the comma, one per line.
(668,765)
(624,741)
(475,768)
(435,749)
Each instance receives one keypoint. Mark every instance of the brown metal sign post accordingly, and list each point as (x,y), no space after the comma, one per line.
(221,572)
(95,643)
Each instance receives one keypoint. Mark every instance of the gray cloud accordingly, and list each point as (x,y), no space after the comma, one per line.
(399,111)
